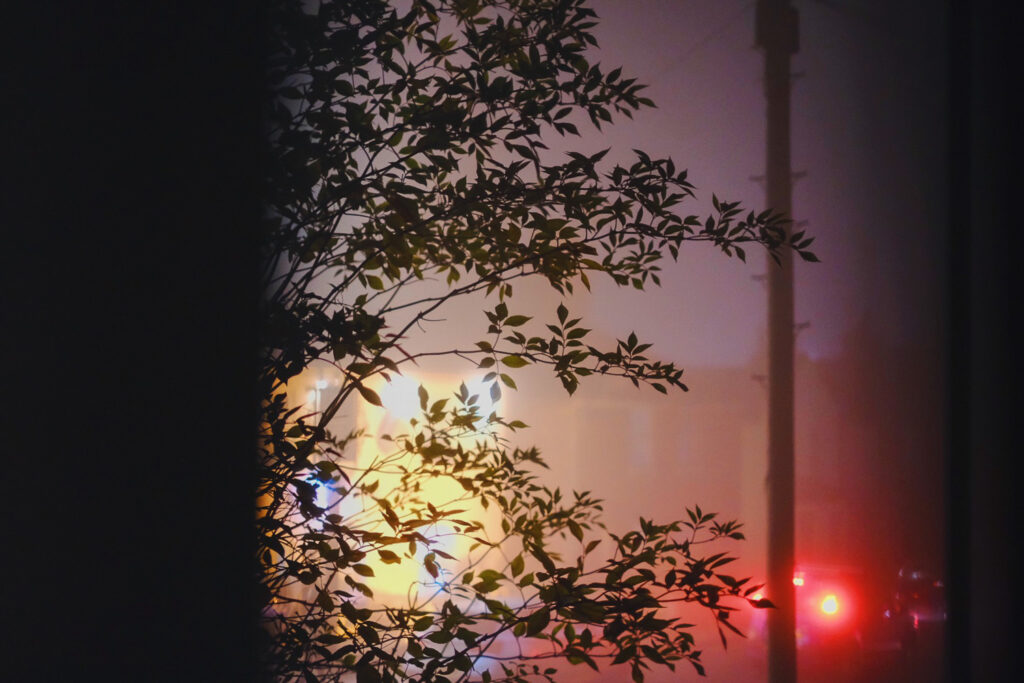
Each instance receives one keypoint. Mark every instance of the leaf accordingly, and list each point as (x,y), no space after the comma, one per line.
(440,637)
(516,320)
(515,361)
(423,623)
(370,395)
(517,565)
(762,603)
(537,621)
(388,557)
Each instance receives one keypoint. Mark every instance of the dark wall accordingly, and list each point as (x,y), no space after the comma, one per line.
(985,366)
(131,142)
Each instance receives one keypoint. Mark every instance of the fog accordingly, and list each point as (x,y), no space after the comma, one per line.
(869,105)
(869,145)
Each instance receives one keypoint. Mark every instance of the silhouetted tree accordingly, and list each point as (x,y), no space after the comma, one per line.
(409,170)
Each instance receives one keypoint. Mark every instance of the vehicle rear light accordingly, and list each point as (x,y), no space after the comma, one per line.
(830,604)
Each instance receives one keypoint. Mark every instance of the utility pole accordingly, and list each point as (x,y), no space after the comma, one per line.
(777,34)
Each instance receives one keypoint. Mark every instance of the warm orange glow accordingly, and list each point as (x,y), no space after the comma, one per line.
(830,605)
(400,398)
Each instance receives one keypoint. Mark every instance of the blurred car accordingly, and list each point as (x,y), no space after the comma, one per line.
(829,615)
(851,628)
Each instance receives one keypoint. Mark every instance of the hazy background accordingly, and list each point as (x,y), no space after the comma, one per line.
(869,117)
(869,138)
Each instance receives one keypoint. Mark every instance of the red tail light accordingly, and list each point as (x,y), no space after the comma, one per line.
(830,604)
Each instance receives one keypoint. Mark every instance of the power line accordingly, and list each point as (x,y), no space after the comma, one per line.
(719,30)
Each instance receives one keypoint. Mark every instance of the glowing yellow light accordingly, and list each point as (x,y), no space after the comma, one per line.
(798,580)
(757,596)
(410,577)
(830,605)
(400,402)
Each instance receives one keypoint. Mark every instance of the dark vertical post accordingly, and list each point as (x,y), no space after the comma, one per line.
(777,35)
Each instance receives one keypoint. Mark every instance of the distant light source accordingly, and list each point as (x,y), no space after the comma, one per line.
(400,397)
(322,494)
(482,390)
(798,580)
(830,604)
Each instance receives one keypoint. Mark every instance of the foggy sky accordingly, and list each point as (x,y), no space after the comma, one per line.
(867,129)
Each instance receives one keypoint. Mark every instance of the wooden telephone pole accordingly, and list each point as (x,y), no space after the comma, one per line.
(777,34)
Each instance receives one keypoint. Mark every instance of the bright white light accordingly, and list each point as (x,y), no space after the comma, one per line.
(401,398)
(830,605)
(322,493)
(484,404)
(321,384)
